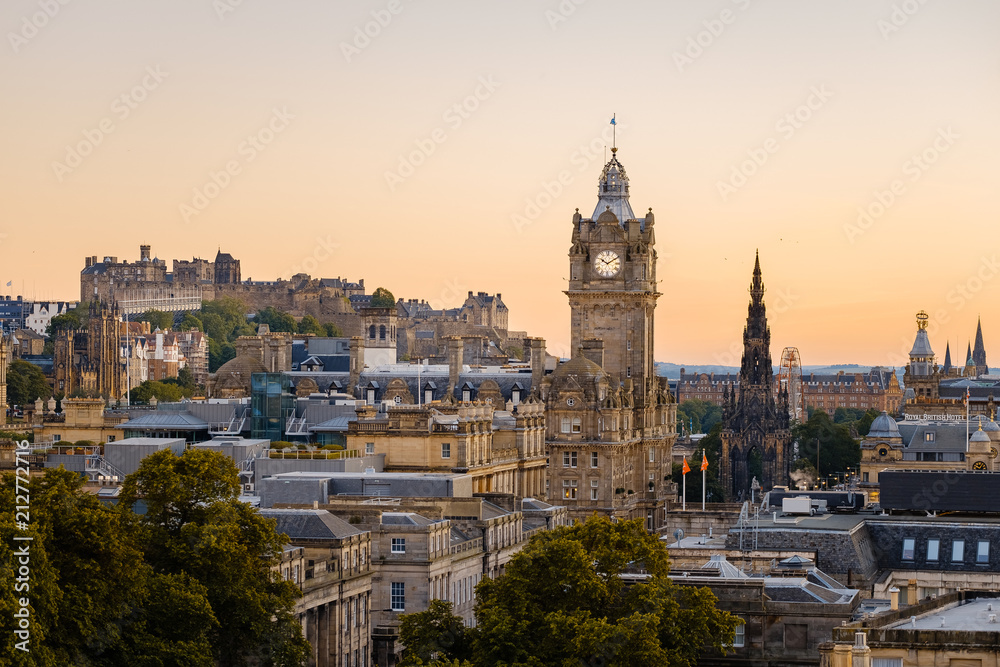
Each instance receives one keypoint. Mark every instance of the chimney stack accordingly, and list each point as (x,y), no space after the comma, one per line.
(894,598)
(357,355)
(456,351)
(535,348)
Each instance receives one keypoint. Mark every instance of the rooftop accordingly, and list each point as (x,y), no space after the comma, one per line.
(973,616)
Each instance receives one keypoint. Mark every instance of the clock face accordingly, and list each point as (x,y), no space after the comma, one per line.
(883,452)
(993,452)
(979,465)
(607,263)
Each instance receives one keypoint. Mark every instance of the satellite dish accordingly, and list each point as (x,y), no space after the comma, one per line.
(679,534)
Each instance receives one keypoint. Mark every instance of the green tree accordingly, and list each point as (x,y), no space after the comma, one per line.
(562,600)
(190,321)
(196,526)
(697,416)
(219,353)
(169,393)
(838,450)
(434,635)
(95,600)
(332,330)
(309,324)
(158,319)
(712,446)
(383,298)
(864,422)
(276,320)
(71,320)
(25,383)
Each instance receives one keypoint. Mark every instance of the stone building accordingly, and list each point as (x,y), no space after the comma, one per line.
(193,347)
(918,444)
(756,441)
(227,269)
(877,389)
(336,584)
(94,359)
(609,417)
(783,616)
(502,450)
(955,630)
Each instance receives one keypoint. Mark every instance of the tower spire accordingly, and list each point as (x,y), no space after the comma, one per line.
(979,351)
(947,358)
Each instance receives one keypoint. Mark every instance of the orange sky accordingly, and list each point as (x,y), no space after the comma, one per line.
(744,124)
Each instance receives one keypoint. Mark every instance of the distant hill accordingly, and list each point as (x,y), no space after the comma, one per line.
(673,371)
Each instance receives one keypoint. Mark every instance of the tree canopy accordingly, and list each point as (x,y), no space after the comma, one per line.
(25,383)
(712,446)
(838,450)
(383,298)
(562,600)
(697,416)
(275,319)
(158,319)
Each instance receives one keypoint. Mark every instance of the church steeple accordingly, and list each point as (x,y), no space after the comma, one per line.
(947,359)
(979,351)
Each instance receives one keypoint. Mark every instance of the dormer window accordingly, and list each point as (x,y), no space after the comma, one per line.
(929,436)
(515,396)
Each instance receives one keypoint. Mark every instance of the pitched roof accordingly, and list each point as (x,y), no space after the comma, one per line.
(307,524)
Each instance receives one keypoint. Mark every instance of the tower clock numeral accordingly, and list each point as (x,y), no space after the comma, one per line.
(607,263)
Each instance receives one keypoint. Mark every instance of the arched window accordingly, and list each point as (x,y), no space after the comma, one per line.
(381,332)
(371,331)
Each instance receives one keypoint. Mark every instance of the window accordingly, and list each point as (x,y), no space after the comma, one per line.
(565,424)
(466,395)
(398,596)
(864,477)
(983,552)
(594,489)
(628,372)
(628,345)
(569,489)
(369,448)
(576,425)
(908,546)
(371,397)
(929,436)
(428,395)
(515,396)
(652,455)
(933,546)
(56,438)
(594,460)
(397,399)
(569,459)
(399,545)
(111,438)
(958,551)
(887,662)
(371,331)
(739,637)
(381,332)
(446,450)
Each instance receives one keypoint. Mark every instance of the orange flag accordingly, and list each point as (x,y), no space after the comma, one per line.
(704,462)
(686,469)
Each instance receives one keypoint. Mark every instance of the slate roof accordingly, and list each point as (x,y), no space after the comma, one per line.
(404,519)
(166,420)
(947,437)
(306,524)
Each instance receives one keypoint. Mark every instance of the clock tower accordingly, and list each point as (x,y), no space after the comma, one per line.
(609,419)
(612,281)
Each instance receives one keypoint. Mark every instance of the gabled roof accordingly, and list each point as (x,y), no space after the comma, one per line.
(307,524)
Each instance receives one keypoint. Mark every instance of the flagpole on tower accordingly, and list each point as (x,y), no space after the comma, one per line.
(614,133)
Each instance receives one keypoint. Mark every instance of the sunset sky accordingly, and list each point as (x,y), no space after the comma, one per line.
(744,124)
